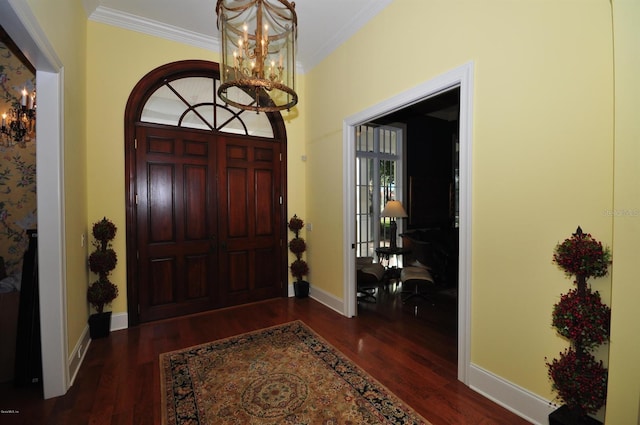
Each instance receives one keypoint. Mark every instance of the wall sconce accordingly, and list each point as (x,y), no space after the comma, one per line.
(19,122)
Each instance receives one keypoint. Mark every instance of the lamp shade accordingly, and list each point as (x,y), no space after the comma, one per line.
(393,209)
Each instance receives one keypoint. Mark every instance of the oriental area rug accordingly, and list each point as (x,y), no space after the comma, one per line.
(285,374)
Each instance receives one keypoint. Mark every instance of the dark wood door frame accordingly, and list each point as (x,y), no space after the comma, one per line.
(133,111)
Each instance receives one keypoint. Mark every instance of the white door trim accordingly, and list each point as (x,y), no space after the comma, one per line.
(459,77)
(18,20)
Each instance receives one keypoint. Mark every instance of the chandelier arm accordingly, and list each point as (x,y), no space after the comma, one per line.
(269,7)
(240,8)
(273,10)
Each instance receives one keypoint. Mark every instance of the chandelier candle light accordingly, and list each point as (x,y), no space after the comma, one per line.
(258,39)
(19,121)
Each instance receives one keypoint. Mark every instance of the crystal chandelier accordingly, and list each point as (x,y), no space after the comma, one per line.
(258,39)
(18,123)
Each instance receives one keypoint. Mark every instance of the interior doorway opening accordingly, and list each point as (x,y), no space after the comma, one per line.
(419,174)
(460,79)
(26,32)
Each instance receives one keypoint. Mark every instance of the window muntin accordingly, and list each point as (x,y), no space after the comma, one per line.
(379,178)
(192,102)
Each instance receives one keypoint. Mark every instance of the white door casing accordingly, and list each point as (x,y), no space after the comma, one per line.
(459,77)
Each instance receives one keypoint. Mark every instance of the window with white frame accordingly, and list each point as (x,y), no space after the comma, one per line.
(379,178)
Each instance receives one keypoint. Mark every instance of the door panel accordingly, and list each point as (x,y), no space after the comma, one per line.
(176,221)
(237,203)
(208,219)
(250,221)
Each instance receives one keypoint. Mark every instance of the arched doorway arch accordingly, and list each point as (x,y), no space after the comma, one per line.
(198,175)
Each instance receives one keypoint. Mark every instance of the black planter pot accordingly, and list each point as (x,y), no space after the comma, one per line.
(564,416)
(301,289)
(100,325)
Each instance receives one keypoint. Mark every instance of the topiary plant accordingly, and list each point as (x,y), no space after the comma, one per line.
(580,380)
(102,261)
(299,267)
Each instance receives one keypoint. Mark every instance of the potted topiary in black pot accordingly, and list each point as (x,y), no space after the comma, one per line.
(102,292)
(580,316)
(299,267)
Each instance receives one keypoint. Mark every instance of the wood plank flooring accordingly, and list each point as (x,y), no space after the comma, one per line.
(408,347)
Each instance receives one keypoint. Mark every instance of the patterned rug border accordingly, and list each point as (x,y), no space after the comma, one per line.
(377,385)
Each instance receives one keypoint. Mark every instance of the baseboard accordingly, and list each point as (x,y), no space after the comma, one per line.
(323,297)
(119,321)
(77,354)
(76,357)
(327,299)
(522,402)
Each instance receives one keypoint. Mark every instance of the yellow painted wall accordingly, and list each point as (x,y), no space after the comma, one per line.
(295,121)
(117,60)
(624,374)
(65,26)
(543,154)
(542,151)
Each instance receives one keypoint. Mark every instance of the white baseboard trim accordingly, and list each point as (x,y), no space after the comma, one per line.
(322,297)
(119,321)
(77,354)
(76,357)
(327,299)
(520,401)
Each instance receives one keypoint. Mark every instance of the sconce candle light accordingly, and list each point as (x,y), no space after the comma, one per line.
(19,122)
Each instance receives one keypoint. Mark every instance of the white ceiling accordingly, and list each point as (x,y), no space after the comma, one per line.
(323,25)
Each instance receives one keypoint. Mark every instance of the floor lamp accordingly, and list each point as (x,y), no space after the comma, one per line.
(393,209)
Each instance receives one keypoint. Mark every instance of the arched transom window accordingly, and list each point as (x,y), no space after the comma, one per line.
(192,102)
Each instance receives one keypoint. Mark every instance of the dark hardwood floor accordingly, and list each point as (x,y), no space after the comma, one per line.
(408,347)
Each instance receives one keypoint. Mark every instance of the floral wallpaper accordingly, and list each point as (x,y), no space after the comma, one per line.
(18,206)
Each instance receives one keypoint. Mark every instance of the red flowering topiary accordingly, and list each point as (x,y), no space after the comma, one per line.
(583,319)
(580,316)
(582,255)
(580,380)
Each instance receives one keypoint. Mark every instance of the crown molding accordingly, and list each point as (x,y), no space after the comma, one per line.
(358,21)
(307,60)
(131,22)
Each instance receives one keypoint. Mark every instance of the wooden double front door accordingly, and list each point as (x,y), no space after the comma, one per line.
(208,221)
